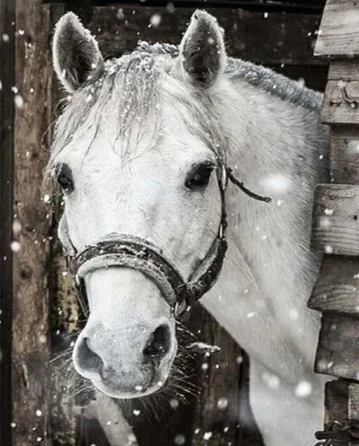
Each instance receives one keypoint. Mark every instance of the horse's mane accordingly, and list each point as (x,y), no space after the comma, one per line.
(256,75)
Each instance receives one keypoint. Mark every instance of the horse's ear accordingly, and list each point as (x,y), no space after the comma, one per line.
(76,56)
(202,50)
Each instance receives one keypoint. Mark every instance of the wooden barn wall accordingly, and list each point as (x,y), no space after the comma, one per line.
(7,78)
(39,294)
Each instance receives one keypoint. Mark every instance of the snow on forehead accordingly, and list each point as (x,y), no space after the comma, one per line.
(126,104)
(126,94)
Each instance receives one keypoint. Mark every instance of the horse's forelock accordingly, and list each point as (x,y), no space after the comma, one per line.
(127,90)
(131,92)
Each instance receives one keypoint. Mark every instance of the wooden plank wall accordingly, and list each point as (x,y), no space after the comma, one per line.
(284,42)
(7,79)
(30,324)
(39,287)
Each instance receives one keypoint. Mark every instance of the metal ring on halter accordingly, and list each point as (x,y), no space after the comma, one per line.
(179,309)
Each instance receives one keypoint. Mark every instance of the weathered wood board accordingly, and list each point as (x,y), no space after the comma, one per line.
(339,29)
(7,106)
(335,225)
(341,69)
(30,325)
(337,287)
(338,348)
(341,102)
(336,219)
(344,155)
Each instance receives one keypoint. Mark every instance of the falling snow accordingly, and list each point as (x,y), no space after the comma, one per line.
(16,227)
(301,81)
(170,7)
(276,183)
(222,403)
(179,440)
(15,246)
(205,366)
(272,381)
(42,339)
(19,101)
(239,360)
(174,403)
(328,211)
(324,222)
(120,15)
(303,389)
(155,20)
(293,314)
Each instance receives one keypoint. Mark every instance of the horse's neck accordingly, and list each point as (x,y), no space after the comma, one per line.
(270,269)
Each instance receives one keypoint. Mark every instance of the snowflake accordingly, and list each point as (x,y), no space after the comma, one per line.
(276,183)
(222,403)
(155,20)
(303,389)
(179,440)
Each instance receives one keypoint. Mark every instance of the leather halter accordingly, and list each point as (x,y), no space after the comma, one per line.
(122,250)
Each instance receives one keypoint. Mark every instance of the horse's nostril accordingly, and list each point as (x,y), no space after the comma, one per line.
(87,358)
(159,343)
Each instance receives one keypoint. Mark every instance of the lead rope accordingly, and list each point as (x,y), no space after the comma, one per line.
(244,189)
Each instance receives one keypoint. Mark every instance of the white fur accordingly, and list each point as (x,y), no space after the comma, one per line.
(269,269)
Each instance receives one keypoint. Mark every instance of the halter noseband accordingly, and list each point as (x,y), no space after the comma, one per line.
(128,251)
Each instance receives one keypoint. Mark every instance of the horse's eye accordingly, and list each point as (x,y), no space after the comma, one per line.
(199,176)
(64,178)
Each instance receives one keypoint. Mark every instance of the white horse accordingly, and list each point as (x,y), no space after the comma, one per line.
(141,153)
